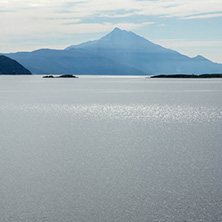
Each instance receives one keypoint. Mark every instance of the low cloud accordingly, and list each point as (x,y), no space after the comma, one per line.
(204,16)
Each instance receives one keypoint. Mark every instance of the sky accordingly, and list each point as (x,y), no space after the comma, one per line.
(192,27)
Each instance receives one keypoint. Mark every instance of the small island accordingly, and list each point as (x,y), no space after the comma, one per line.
(188,76)
(62,76)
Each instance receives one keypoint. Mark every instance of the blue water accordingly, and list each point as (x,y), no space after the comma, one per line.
(110,149)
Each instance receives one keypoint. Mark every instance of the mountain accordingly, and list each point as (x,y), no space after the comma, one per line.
(118,53)
(11,67)
(120,39)
(138,52)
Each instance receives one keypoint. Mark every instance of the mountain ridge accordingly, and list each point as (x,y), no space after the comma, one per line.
(52,61)
(119,52)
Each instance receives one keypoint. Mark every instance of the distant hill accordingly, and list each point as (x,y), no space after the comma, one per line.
(11,67)
(76,61)
(118,53)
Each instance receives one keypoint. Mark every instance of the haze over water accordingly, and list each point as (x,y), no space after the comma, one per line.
(110,149)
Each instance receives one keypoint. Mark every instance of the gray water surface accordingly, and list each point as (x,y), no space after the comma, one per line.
(110,149)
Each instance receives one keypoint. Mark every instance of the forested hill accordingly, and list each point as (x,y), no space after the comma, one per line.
(11,67)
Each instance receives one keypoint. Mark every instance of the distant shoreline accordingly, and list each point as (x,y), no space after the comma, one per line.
(188,76)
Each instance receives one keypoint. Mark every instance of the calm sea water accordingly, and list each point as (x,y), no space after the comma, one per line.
(110,149)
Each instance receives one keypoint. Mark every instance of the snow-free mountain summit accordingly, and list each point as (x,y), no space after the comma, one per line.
(118,53)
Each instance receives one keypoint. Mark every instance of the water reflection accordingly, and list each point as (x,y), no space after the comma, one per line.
(165,113)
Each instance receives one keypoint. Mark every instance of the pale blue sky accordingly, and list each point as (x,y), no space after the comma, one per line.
(191,27)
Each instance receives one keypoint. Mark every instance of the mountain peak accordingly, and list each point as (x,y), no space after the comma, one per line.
(199,57)
(120,39)
(116,30)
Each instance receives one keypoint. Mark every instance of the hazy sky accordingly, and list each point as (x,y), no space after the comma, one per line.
(191,27)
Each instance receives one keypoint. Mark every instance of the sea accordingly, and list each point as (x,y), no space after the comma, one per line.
(110,149)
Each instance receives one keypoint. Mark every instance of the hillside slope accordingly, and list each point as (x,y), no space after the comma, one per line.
(11,67)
